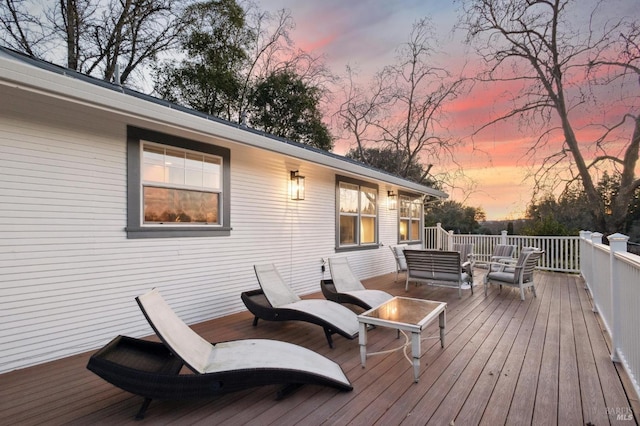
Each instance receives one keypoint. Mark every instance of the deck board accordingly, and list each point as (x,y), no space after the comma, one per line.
(522,404)
(546,397)
(477,400)
(500,397)
(544,360)
(570,410)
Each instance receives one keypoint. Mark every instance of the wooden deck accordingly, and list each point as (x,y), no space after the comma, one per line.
(543,361)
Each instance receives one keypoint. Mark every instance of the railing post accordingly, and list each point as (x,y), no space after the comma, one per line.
(586,235)
(596,238)
(438,235)
(617,244)
(450,240)
(503,237)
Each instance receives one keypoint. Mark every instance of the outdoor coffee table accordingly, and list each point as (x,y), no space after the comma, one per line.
(403,314)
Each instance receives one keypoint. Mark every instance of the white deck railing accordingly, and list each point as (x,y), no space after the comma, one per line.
(611,275)
(561,254)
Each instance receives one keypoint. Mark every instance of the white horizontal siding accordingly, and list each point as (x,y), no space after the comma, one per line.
(69,275)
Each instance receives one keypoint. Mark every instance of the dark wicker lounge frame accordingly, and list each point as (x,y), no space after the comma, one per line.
(152,370)
(257,303)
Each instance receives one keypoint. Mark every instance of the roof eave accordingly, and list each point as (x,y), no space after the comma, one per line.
(105,96)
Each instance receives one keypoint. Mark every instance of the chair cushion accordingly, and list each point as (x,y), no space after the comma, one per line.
(275,289)
(372,298)
(501,276)
(342,275)
(440,276)
(339,316)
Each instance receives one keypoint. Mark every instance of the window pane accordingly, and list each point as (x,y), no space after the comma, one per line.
(405,206)
(348,229)
(164,205)
(212,171)
(174,162)
(193,178)
(368,201)
(416,208)
(153,164)
(348,198)
(368,230)
(404,230)
(193,172)
(415,230)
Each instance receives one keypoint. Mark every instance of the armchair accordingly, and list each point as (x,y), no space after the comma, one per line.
(518,275)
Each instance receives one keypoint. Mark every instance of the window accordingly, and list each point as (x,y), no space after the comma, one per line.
(357,221)
(410,224)
(176,187)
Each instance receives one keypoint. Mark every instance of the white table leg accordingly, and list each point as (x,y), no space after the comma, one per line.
(415,349)
(362,339)
(443,320)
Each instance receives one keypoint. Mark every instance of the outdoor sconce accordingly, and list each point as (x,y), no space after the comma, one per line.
(297,186)
(392,200)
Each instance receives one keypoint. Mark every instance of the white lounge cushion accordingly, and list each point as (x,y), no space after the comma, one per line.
(334,313)
(277,291)
(273,286)
(372,298)
(343,278)
(203,357)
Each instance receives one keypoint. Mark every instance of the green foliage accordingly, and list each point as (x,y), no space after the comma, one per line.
(546,226)
(393,161)
(284,105)
(571,211)
(218,77)
(208,80)
(454,216)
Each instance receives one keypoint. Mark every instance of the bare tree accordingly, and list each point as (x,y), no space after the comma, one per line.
(272,52)
(98,35)
(21,28)
(539,45)
(404,107)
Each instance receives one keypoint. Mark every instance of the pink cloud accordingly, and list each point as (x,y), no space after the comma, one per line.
(365,34)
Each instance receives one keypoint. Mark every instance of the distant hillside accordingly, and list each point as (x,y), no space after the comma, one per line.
(495,227)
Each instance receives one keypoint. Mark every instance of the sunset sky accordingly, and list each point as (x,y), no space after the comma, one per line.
(364,34)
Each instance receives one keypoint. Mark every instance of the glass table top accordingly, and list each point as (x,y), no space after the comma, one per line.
(405,310)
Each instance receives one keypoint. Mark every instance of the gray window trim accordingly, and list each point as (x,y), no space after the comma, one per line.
(412,195)
(358,182)
(134,226)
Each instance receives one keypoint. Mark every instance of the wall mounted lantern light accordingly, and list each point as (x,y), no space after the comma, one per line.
(392,200)
(297,186)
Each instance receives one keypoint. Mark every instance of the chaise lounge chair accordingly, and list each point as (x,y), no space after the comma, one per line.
(276,302)
(151,369)
(345,287)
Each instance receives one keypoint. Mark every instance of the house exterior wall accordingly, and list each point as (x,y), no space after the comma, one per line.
(68,273)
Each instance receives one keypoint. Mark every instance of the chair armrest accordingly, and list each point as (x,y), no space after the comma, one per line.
(501,264)
(468,267)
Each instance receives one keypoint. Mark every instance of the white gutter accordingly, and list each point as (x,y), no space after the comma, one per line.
(21,75)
